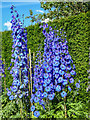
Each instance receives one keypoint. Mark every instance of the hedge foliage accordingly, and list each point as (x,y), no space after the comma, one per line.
(77,31)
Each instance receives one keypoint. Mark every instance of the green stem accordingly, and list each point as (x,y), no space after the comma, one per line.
(65,103)
(29,84)
(65,107)
(20,99)
(30,76)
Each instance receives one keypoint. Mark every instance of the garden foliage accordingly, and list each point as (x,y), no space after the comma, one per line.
(77,30)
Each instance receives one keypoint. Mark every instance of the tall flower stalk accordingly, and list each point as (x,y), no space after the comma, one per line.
(19,71)
(30,74)
(57,69)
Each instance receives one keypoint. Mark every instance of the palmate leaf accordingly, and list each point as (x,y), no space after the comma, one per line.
(43,116)
(16,116)
(73,111)
(77,110)
(69,113)
(59,114)
(74,116)
(7,111)
(3,99)
(51,112)
(60,105)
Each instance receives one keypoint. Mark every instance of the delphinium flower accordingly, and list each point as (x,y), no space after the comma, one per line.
(43,82)
(32,108)
(51,53)
(49,66)
(37,91)
(63,94)
(48,63)
(63,69)
(55,72)
(43,77)
(19,71)
(68,71)
(36,114)
(62,79)
(69,88)
(11,97)
(77,85)
(9,93)
(3,69)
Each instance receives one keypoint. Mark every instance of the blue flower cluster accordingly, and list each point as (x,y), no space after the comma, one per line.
(3,69)
(55,71)
(58,59)
(38,83)
(19,56)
